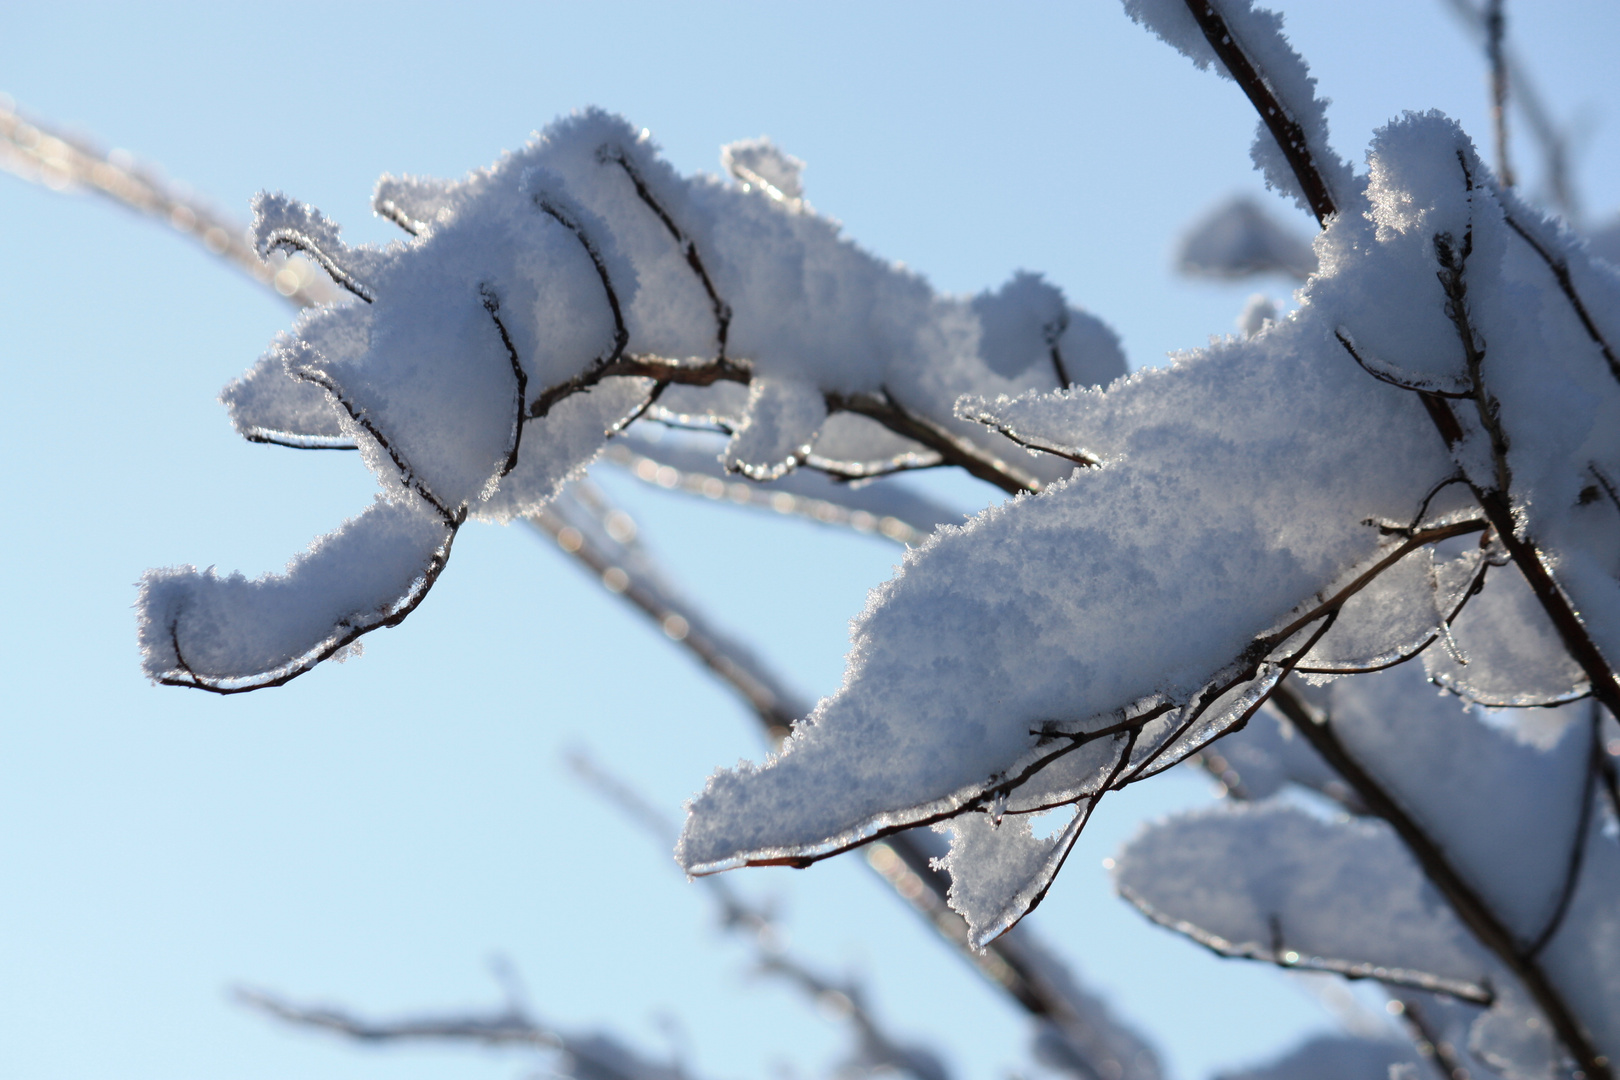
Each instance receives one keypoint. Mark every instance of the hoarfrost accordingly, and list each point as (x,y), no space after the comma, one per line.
(200,629)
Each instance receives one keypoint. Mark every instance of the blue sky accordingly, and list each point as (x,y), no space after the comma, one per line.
(373,832)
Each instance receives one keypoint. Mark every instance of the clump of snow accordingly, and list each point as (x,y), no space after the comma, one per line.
(474,366)
(198,628)
(1239,239)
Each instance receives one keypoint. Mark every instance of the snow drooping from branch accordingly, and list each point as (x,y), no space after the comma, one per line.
(1010,645)
(229,633)
(1001,869)
(1514,817)
(1271,882)
(1263,505)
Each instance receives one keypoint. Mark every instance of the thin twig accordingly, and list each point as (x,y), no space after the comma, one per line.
(1285,130)
(1495,30)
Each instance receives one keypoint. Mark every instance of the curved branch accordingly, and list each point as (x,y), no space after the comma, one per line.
(347,634)
(722,310)
(1289,136)
(492,304)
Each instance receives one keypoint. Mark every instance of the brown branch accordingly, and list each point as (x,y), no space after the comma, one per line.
(348,633)
(1560,271)
(1577,854)
(883,408)
(1475,913)
(904,859)
(621,336)
(1287,132)
(1495,29)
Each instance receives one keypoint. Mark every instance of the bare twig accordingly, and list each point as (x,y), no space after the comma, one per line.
(1289,135)
(1495,30)
(877,1048)
(1549,134)
(880,509)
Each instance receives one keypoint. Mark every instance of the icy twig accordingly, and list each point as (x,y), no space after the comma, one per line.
(42,154)
(880,509)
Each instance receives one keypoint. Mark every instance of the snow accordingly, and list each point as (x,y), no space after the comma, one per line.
(198,628)
(1060,611)
(1068,643)
(784,418)
(1273,882)
(1258,33)
(1515,817)
(470,364)
(1238,239)
(999,869)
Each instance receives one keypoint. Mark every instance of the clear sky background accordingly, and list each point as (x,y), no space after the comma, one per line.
(373,832)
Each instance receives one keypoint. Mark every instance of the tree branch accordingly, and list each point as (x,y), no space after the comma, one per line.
(1475,913)
(1290,137)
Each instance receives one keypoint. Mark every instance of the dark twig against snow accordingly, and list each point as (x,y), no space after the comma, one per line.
(1577,853)
(722,310)
(1284,128)
(1560,272)
(346,634)
(492,304)
(1496,504)
(581,521)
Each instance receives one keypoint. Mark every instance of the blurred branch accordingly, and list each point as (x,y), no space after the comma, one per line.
(1078,1031)
(1549,135)
(1495,31)
(41,154)
(876,1048)
(602,538)
(585,1057)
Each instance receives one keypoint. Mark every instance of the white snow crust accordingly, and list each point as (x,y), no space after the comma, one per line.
(1067,643)
(469,367)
